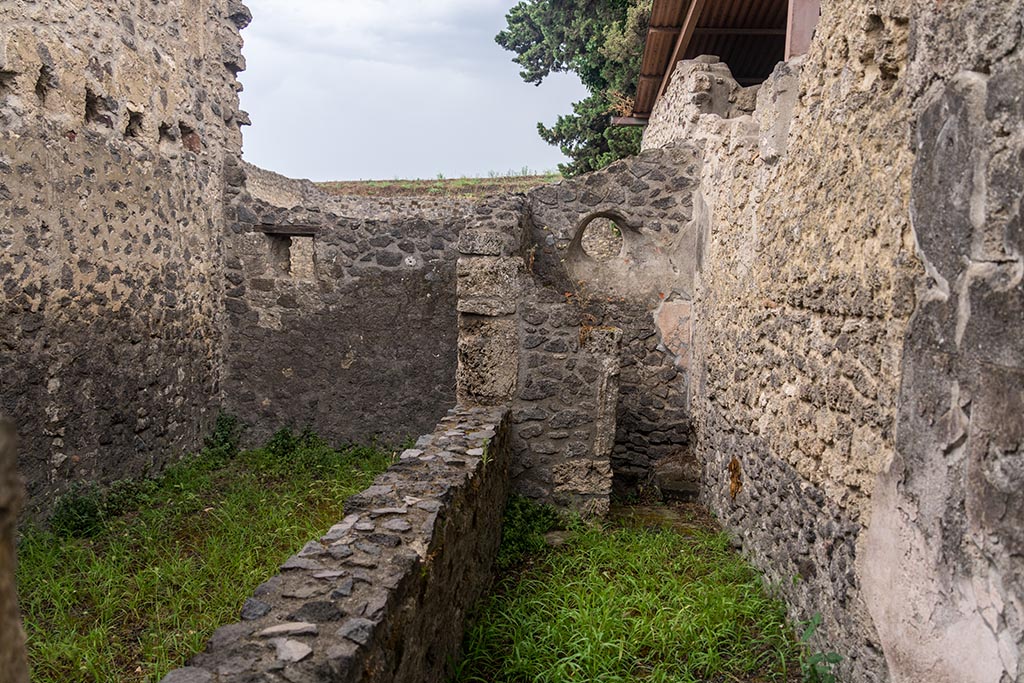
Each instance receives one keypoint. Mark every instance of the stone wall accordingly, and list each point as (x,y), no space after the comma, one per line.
(340,310)
(644,287)
(383,595)
(856,366)
(942,558)
(119,129)
(522,343)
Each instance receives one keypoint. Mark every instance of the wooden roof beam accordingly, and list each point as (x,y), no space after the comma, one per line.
(629,120)
(707,31)
(682,41)
(803,19)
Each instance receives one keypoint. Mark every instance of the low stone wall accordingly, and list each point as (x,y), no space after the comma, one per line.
(383,595)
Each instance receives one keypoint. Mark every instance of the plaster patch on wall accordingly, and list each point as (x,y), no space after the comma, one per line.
(672,318)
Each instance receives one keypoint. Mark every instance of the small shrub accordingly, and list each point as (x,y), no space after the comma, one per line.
(282,443)
(127,496)
(78,513)
(223,443)
(523,529)
(816,667)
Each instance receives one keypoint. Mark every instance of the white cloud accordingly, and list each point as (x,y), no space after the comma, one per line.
(381,30)
(342,89)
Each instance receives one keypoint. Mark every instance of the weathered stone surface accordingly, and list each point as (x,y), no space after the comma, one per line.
(254,609)
(488,285)
(949,509)
(351,329)
(291,650)
(189,674)
(112,191)
(436,572)
(294,628)
(488,362)
(649,197)
(12,640)
(840,384)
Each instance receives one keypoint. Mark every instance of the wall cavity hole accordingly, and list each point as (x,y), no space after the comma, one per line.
(7,82)
(602,239)
(98,109)
(168,133)
(46,82)
(280,253)
(134,127)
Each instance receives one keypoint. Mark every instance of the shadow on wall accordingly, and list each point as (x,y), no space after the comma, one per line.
(13,664)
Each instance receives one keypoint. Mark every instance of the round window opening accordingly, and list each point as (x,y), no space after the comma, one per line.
(602,239)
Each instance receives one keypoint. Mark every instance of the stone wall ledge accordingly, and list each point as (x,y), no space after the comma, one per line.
(383,595)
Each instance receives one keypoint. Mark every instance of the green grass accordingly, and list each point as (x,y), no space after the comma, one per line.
(149,585)
(632,604)
(469,188)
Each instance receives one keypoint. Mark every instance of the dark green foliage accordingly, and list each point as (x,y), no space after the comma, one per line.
(83,510)
(522,530)
(223,442)
(78,513)
(602,42)
(127,496)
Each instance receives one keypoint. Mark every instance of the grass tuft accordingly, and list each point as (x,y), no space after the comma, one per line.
(631,604)
(522,532)
(171,560)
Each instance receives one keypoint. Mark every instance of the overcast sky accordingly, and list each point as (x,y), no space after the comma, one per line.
(382,89)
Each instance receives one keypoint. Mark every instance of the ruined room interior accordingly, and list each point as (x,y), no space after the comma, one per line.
(801,305)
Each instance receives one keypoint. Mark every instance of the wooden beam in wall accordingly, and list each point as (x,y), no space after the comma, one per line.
(803,19)
(629,121)
(682,41)
(289,230)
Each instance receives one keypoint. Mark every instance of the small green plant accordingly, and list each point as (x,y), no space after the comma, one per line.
(78,513)
(224,441)
(522,531)
(816,667)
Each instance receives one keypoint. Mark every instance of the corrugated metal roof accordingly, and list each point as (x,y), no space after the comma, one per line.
(748,35)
